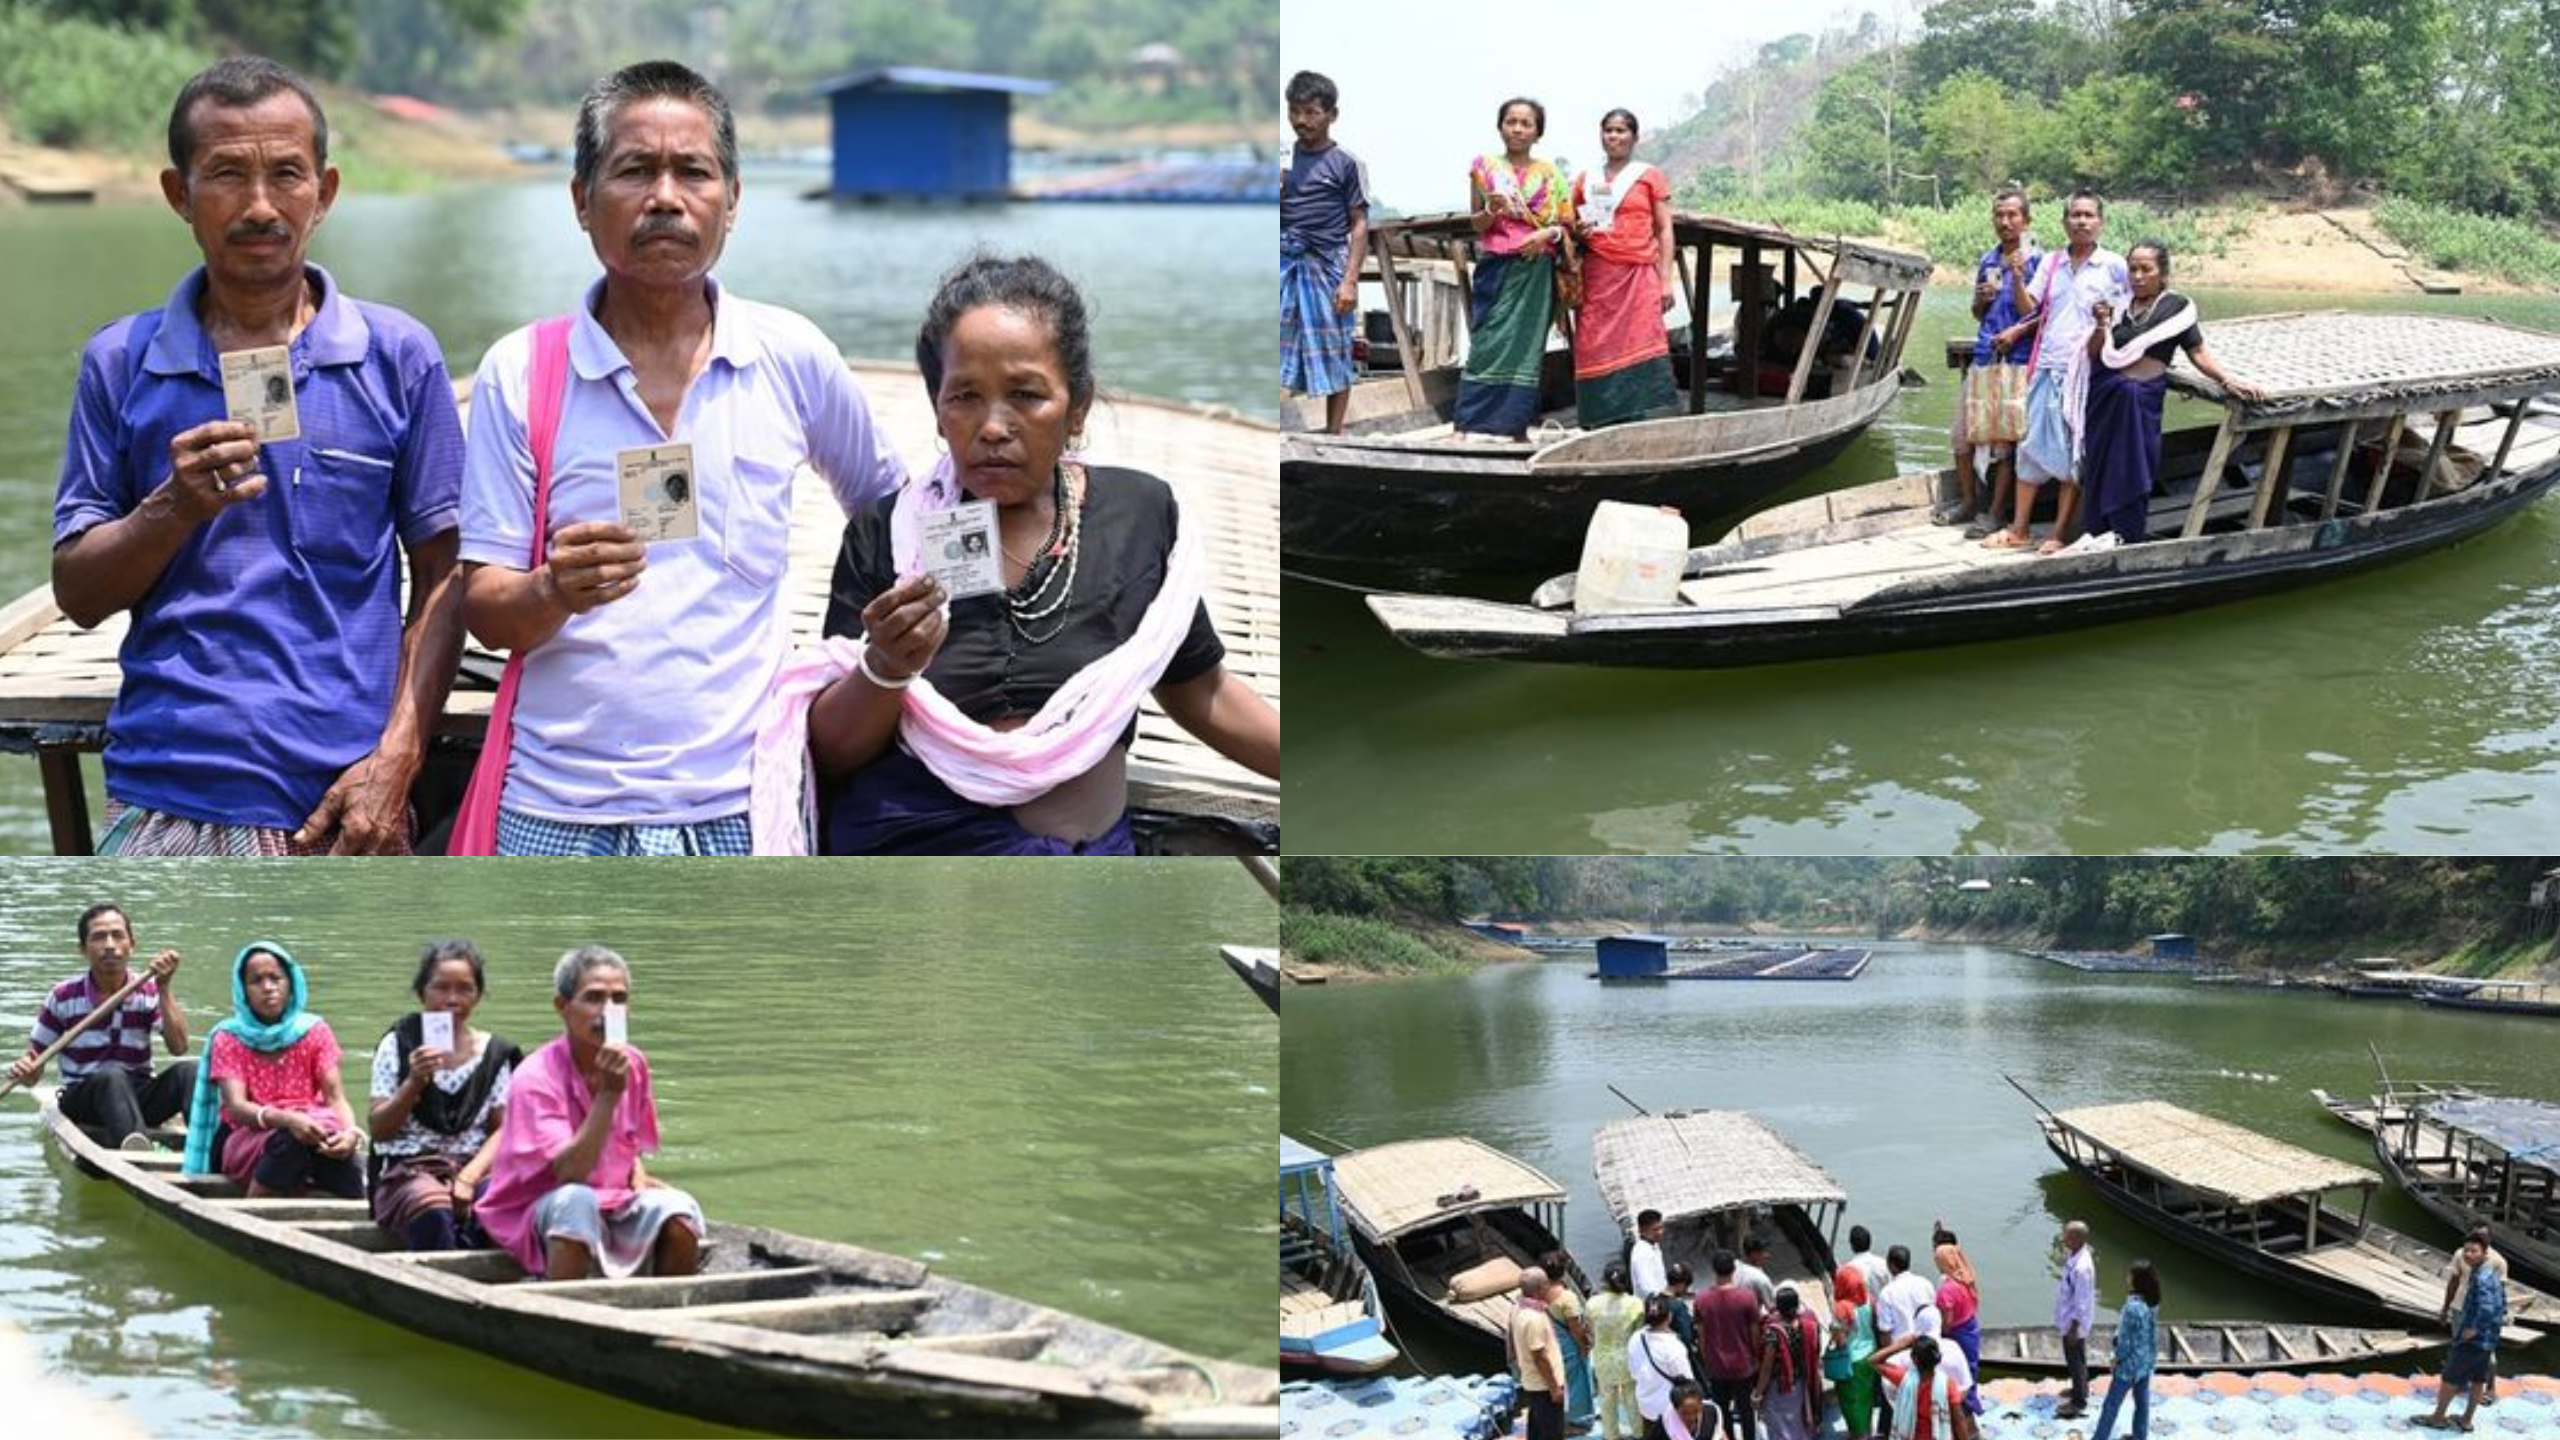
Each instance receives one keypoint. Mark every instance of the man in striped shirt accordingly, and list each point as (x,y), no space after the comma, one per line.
(107,1082)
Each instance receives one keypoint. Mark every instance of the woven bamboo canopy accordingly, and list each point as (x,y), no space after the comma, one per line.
(1395,1188)
(2331,364)
(2242,1167)
(1701,1162)
(1429,236)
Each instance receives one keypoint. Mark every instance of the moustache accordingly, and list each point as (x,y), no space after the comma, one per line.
(658,227)
(264,230)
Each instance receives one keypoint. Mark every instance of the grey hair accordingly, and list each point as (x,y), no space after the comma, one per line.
(1533,1282)
(2079,1228)
(573,967)
(650,80)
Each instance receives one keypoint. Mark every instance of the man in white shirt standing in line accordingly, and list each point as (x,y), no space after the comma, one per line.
(2075,1309)
(1644,1257)
(647,664)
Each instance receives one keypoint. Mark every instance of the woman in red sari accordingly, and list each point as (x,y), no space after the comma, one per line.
(1621,354)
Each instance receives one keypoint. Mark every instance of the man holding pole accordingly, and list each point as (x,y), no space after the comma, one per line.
(99,1025)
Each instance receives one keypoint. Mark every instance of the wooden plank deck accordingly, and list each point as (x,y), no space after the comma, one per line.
(57,681)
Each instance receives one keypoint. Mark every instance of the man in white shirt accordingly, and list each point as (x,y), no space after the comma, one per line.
(1871,1266)
(1905,1296)
(2075,1309)
(1644,1257)
(647,664)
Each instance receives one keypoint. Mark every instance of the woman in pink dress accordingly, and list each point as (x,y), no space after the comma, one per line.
(271,1080)
(567,1194)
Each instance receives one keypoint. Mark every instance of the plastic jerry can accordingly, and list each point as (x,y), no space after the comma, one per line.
(1631,559)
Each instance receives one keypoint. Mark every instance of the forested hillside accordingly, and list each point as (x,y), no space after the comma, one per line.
(2309,908)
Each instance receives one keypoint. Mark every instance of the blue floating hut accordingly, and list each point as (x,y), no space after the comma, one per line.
(906,132)
(1634,957)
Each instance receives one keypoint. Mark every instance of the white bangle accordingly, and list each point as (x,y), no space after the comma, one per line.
(862,663)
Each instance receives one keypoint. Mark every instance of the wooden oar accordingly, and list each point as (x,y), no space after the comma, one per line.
(113,1003)
(1264,871)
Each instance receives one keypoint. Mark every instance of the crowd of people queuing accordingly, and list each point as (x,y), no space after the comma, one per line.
(1652,1354)
(278,694)
(466,1142)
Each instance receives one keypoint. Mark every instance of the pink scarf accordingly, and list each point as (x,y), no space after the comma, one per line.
(1069,735)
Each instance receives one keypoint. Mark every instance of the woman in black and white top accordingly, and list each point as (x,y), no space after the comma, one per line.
(1657,1360)
(438,1102)
(2120,456)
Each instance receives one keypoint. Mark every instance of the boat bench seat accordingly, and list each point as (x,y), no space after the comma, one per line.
(876,1311)
(643,1292)
(1307,1324)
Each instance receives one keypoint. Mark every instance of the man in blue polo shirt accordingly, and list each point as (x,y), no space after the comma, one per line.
(275,698)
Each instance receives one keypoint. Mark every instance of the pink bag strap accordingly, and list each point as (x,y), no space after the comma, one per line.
(542,420)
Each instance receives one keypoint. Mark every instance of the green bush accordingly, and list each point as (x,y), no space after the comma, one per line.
(2511,250)
(1358,944)
(74,83)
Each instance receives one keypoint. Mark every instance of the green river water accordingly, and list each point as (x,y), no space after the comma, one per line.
(2409,710)
(1040,1078)
(1892,1082)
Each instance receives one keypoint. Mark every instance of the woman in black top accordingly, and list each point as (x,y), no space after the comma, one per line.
(2120,454)
(1094,573)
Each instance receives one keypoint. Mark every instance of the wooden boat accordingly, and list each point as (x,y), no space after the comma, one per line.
(779,1332)
(2484,1160)
(1718,1176)
(2389,1107)
(2494,997)
(2261,1206)
(1400,489)
(1447,1225)
(2281,493)
(1330,1319)
(2196,1347)
(1258,966)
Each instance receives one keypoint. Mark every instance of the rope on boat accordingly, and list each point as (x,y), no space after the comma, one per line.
(1300,575)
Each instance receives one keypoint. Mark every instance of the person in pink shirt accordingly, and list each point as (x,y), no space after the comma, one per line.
(567,1195)
(271,1079)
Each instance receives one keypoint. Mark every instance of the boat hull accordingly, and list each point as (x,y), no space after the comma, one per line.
(1084,1379)
(2162,577)
(2492,1007)
(2201,1347)
(1473,1330)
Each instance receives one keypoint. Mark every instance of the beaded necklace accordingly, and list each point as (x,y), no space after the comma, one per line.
(1045,592)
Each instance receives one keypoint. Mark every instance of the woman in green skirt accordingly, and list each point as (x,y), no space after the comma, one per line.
(1523,214)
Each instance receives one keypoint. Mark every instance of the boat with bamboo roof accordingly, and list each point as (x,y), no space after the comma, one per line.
(2379,438)
(777,1332)
(2202,1347)
(2489,1160)
(1330,1319)
(2265,1208)
(1447,1225)
(1258,966)
(1759,408)
(58,681)
(1719,1176)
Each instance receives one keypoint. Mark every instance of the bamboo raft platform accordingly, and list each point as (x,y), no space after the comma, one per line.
(57,681)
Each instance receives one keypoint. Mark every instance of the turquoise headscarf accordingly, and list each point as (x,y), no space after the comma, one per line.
(204,1110)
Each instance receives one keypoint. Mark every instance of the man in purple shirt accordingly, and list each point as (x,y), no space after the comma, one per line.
(2075,1309)
(275,700)
(107,1082)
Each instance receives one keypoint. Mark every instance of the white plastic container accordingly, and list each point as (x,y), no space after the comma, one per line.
(1631,559)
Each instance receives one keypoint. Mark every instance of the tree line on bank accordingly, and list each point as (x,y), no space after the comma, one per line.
(86,72)
(2451,102)
(2262,904)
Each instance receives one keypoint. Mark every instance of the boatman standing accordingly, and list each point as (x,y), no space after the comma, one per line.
(275,700)
(107,1082)
(2065,291)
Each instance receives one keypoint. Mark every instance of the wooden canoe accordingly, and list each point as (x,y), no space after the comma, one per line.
(2391,1108)
(779,1332)
(2195,1347)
